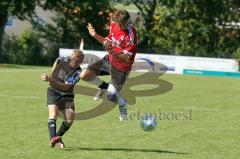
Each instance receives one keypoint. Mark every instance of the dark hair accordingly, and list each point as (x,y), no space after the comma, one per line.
(121,16)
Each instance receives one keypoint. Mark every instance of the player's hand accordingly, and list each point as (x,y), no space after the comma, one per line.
(108,46)
(74,79)
(71,81)
(91,30)
(45,77)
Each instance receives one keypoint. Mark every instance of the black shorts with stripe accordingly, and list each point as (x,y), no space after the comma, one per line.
(61,99)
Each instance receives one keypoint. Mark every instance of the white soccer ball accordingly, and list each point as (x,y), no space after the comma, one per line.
(148,122)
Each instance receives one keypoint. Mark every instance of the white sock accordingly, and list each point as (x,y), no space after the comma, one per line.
(121,100)
(112,89)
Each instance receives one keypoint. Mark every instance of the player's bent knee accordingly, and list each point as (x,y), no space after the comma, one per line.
(53,116)
(83,75)
(112,97)
(52,111)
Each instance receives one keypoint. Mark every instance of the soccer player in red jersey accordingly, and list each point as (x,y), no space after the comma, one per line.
(121,44)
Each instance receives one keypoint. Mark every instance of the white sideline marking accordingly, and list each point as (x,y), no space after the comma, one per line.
(15,70)
(23,97)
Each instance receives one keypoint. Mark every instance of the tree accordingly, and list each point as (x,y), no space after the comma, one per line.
(71,21)
(19,8)
(188,27)
(24,49)
(146,24)
(30,48)
(199,28)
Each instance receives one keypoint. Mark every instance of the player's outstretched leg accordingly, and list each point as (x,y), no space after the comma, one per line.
(53,109)
(114,96)
(67,123)
(65,126)
(122,108)
(90,77)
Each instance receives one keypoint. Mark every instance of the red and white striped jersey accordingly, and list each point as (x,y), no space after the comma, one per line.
(124,41)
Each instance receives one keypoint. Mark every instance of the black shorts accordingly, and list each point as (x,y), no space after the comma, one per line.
(61,99)
(103,67)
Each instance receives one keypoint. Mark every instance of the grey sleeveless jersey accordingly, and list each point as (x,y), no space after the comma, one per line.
(63,70)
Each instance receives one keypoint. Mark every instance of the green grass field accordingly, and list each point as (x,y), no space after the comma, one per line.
(212,132)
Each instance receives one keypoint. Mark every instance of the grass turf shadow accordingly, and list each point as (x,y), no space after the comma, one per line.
(123,149)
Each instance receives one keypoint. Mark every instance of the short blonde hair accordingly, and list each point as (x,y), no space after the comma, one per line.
(77,52)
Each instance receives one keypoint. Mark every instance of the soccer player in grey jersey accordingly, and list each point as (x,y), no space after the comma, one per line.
(64,75)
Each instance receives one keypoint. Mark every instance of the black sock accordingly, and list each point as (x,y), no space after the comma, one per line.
(104,85)
(64,127)
(52,128)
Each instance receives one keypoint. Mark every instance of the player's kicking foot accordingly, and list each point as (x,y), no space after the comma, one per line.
(123,112)
(100,92)
(60,144)
(54,140)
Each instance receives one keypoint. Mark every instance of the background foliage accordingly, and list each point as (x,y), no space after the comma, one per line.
(180,27)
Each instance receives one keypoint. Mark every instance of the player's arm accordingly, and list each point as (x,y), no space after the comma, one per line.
(54,67)
(94,34)
(122,56)
(54,83)
(49,78)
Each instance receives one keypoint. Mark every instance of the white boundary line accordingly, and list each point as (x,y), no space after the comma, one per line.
(15,70)
(22,97)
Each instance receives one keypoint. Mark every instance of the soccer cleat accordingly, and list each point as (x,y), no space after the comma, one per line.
(60,144)
(100,92)
(54,140)
(123,112)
